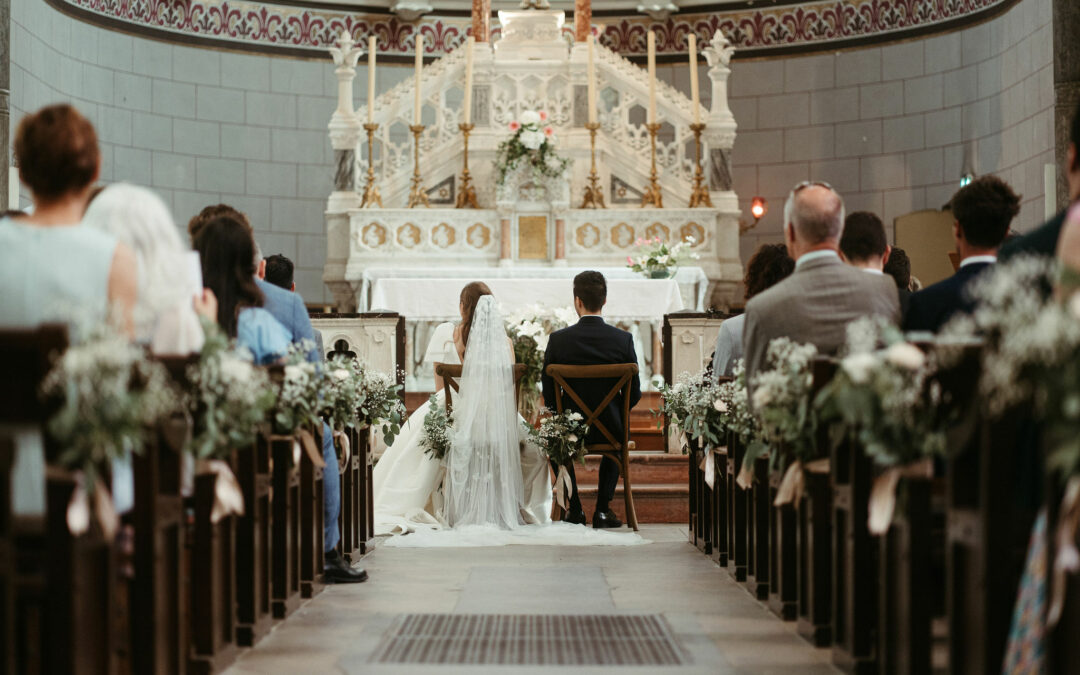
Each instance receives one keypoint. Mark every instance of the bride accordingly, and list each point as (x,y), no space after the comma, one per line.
(492,476)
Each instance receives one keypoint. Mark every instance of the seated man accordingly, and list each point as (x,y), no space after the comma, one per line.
(982,210)
(823,295)
(592,342)
(279,271)
(864,243)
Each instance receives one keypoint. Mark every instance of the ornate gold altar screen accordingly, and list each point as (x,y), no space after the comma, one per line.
(411,139)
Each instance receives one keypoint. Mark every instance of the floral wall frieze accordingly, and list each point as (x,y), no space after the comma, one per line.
(301,30)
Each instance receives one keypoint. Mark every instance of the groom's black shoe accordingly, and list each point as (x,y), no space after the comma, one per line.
(575,517)
(605,519)
(337,571)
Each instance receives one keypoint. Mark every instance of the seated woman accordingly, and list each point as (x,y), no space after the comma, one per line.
(51,268)
(228,268)
(169,291)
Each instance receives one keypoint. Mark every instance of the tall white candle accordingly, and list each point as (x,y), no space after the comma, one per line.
(592,82)
(652,77)
(468,79)
(693,78)
(371,80)
(418,103)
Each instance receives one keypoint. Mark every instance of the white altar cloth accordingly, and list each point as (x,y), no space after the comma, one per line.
(432,294)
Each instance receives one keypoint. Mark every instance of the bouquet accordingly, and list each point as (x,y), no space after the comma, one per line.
(782,401)
(529,329)
(231,396)
(657,260)
(532,145)
(381,405)
(438,430)
(561,437)
(343,392)
(112,394)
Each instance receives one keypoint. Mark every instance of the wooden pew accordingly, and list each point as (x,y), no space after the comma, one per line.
(312,517)
(757,527)
(783,575)
(701,497)
(1062,646)
(738,499)
(365,451)
(719,508)
(285,520)
(254,543)
(350,502)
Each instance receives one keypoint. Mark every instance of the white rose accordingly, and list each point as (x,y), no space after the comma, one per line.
(858,366)
(572,438)
(762,397)
(1074,305)
(529,117)
(553,163)
(532,139)
(234,369)
(720,406)
(293,372)
(905,355)
(341,374)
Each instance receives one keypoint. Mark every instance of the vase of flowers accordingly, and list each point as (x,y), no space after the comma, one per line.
(657,260)
(531,145)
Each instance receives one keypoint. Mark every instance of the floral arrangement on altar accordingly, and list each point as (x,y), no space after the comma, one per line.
(782,403)
(533,145)
(884,392)
(528,329)
(232,397)
(111,395)
(657,260)
(438,430)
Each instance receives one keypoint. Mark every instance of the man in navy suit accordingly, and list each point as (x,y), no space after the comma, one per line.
(592,342)
(983,210)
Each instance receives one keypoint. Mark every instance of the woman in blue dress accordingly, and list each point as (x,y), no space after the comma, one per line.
(227,251)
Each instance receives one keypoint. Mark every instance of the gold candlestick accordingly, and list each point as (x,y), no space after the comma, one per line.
(594,194)
(417,195)
(652,196)
(371,193)
(466,196)
(699,195)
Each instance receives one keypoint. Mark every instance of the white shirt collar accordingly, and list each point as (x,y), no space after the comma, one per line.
(814,255)
(872,270)
(974,259)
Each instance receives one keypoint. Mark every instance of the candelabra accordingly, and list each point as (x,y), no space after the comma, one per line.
(417,195)
(466,196)
(371,193)
(594,195)
(652,196)
(699,195)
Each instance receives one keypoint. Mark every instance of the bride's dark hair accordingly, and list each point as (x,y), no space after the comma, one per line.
(470,295)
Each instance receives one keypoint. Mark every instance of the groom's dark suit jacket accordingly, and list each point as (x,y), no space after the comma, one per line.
(592,342)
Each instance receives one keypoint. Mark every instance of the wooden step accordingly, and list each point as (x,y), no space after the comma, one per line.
(657,503)
(646,468)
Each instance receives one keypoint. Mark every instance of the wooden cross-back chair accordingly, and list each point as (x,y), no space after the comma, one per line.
(617,447)
(451,373)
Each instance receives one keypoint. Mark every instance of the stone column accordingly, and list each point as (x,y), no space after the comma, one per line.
(481,20)
(560,239)
(1066,22)
(582,20)
(344,127)
(5,101)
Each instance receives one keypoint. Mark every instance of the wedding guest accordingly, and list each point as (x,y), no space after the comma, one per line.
(770,265)
(167,305)
(279,271)
(864,243)
(589,342)
(982,210)
(823,295)
(1043,240)
(51,268)
(288,308)
(899,268)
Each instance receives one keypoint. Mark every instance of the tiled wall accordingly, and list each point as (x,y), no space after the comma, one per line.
(891,127)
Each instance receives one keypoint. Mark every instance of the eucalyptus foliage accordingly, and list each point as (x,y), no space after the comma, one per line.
(437,435)
(561,437)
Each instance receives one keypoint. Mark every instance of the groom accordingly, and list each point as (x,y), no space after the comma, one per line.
(592,342)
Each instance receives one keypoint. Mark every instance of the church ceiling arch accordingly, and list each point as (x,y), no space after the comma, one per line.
(302,28)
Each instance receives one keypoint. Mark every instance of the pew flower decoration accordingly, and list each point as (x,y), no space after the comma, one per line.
(529,330)
(438,430)
(110,397)
(343,392)
(657,260)
(231,397)
(561,437)
(675,402)
(381,405)
(738,418)
(531,145)
(302,392)
(697,406)
(781,400)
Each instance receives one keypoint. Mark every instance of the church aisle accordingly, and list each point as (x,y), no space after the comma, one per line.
(717,627)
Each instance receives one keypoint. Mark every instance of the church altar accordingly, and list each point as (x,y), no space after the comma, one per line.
(400,175)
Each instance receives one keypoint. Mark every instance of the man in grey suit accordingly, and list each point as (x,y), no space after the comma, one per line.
(823,295)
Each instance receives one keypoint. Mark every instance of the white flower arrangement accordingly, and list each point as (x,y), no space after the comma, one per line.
(561,437)
(381,405)
(529,329)
(782,403)
(302,392)
(533,145)
(657,259)
(343,392)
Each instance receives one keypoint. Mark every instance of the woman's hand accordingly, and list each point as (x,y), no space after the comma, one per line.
(206,304)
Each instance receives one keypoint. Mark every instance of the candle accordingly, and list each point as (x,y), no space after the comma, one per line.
(468,79)
(371,80)
(693,78)
(652,77)
(418,103)
(592,82)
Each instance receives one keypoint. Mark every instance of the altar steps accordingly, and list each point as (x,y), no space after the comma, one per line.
(661,487)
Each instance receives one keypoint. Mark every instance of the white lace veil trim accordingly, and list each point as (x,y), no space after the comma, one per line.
(483,479)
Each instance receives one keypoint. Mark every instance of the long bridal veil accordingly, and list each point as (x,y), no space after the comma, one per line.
(483,474)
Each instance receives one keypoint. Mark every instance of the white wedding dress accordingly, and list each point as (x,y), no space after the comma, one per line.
(495,487)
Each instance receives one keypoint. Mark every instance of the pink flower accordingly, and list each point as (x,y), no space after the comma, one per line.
(639,241)
(543,118)
(515,125)
(629,260)
(549,131)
